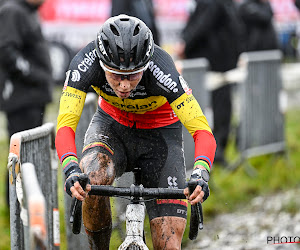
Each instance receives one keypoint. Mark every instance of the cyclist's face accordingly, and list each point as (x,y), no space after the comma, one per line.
(122,84)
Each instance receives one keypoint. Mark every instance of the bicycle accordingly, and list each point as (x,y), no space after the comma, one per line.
(135,210)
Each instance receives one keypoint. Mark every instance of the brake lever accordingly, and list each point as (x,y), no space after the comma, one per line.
(193,185)
(196,220)
(75,211)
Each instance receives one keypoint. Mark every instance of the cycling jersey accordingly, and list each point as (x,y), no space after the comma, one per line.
(155,152)
(161,98)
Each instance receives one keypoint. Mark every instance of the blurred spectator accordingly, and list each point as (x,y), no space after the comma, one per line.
(213,31)
(25,67)
(258,18)
(142,9)
(297,3)
(60,55)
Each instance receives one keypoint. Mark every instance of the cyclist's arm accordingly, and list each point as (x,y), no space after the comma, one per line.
(184,104)
(71,106)
(190,114)
(78,79)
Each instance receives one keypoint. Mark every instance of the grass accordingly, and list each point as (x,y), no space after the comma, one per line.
(229,190)
(4,212)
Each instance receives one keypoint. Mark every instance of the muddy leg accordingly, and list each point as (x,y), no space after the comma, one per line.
(167,232)
(96,211)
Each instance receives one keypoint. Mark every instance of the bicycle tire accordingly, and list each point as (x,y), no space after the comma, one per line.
(133,247)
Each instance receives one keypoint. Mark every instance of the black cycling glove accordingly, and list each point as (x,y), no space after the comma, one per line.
(72,175)
(201,177)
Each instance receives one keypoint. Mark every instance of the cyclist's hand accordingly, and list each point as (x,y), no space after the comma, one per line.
(201,191)
(72,186)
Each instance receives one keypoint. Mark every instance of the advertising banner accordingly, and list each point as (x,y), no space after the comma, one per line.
(77,21)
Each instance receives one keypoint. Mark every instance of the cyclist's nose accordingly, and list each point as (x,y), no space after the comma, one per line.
(125,84)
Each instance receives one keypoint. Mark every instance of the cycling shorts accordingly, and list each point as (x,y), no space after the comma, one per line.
(158,153)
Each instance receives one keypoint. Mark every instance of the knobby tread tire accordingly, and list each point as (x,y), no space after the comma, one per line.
(133,247)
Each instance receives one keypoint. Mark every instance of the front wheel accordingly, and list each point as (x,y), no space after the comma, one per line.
(133,247)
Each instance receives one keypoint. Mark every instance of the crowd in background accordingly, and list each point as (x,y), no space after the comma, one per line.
(25,68)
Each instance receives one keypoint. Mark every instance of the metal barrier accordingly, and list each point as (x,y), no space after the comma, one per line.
(79,241)
(261,128)
(194,73)
(34,209)
(34,146)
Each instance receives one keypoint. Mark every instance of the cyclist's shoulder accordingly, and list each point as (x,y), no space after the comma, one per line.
(85,58)
(161,62)
(164,78)
(84,67)
(160,55)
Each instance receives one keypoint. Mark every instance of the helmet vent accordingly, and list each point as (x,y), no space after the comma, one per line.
(114,30)
(136,30)
(145,47)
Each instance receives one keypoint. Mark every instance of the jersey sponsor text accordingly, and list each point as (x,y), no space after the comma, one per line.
(161,77)
(87,61)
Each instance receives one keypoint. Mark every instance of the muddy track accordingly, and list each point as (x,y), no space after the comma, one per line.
(265,221)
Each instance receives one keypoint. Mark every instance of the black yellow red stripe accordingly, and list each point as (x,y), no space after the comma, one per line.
(98,144)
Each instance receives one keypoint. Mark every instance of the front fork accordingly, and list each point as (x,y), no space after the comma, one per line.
(135,216)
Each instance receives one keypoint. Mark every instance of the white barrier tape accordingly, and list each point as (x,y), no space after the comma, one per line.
(20,197)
